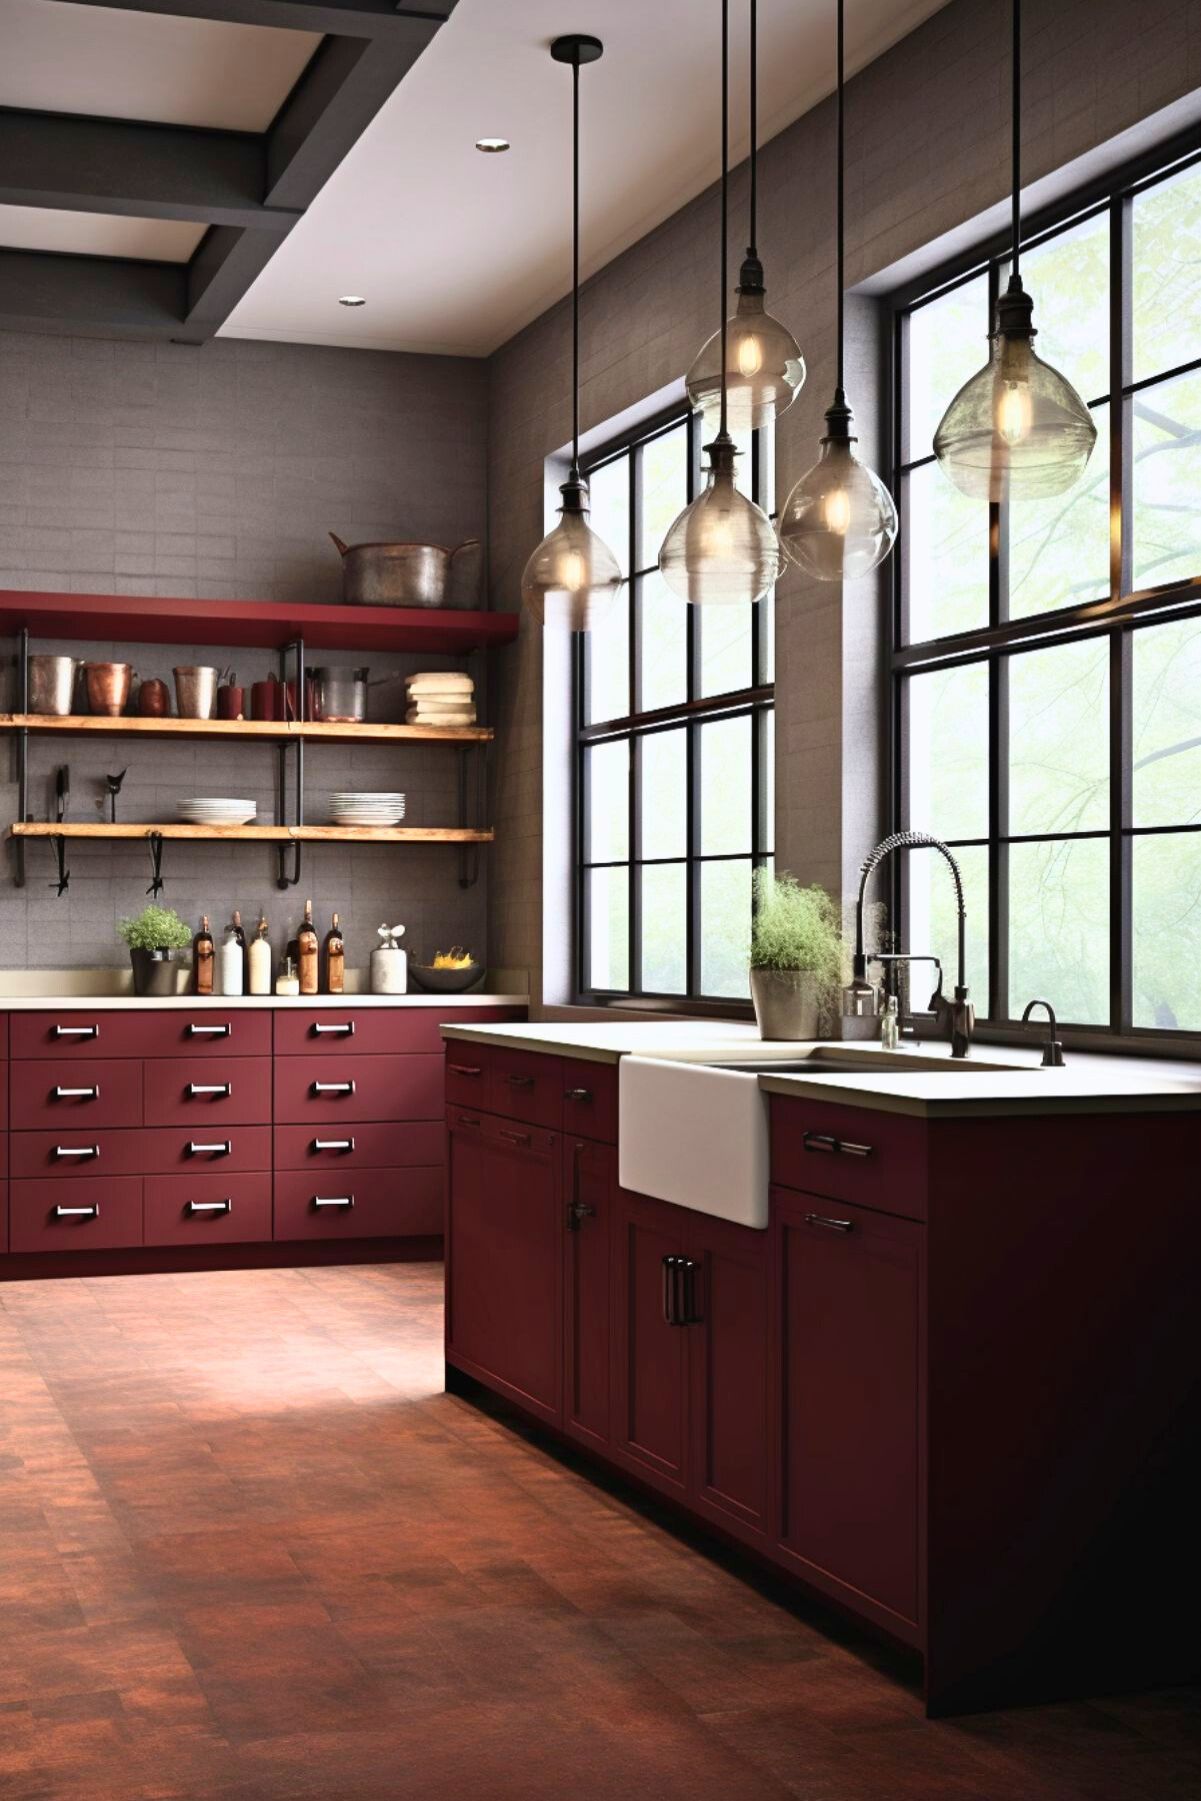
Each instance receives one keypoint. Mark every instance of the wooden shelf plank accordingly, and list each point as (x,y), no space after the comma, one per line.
(261,834)
(265,730)
(259,624)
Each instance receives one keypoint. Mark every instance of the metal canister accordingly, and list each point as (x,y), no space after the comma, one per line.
(52,684)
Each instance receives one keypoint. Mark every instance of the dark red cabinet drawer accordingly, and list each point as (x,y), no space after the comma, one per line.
(68,1215)
(76,1095)
(376,1031)
(378,1145)
(201,1094)
(873,1158)
(207,1031)
(207,1208)
(134,1153)
(202,1030)
(468,1069)
(339,1089)
(526,1085)
(361,1203)
(74,1032)
(589,1098)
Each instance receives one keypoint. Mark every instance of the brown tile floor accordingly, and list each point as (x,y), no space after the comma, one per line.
(249,1550)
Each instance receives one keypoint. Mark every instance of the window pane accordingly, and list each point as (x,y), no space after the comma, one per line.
(1167,723)
(608,941)
(768,827)
(947,567)
(725,750)
(1167,932)
(932,921)
(664,490)
(1167,274)
(725,648)
(664,928)
(1059,548)
(663,645)
(1059,739)
(948,342)
(726,929)
(1167,478)
(1068,277)
(664,790)
(609,489)
(1059,929)
(948,752)
(607,650)
(607,772)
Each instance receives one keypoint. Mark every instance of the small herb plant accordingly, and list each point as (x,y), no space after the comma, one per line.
(155,929)
(795,928)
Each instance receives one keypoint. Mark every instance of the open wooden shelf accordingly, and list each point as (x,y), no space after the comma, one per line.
(270,731)
(262,834)
(257,624)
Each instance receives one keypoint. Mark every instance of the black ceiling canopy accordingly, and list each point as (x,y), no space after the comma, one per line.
(248,188)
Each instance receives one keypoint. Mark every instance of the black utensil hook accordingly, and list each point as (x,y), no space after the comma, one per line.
(155,842)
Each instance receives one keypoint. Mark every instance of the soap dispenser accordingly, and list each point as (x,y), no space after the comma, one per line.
(890,1025)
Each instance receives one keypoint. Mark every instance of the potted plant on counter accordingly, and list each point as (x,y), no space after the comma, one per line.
(796,956)
(153,938)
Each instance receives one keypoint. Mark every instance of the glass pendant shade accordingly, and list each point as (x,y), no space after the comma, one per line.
(721,550)
(572,578)
(1018,427)
(765,366)
(839,522)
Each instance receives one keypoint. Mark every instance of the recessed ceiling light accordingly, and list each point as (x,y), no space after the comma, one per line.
(351,300)
(492,146)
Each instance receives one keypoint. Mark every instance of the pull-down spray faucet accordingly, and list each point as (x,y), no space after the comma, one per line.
(861,999)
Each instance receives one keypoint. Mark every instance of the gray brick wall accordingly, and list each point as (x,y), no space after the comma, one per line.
(168,470)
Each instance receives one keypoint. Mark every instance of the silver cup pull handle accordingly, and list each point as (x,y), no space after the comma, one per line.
(333,1087)
(77,1094)
(77,1150)
(333,1144)
(92,1212)
(222,1088)
(220,1149)
(333,1200)
(225,1206)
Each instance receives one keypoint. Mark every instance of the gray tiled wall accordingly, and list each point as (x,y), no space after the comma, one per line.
(169,470)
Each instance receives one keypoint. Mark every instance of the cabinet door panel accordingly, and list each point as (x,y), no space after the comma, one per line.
(851,1307)
(76,1095)
(359,1203)
(650,1357)
(374,1145)
(878,1160)
(207,1209)
(729,1370)
(468,1069)
(65,1215)
(590,1098)
(526,1085)
(206,1093)
(589,1185)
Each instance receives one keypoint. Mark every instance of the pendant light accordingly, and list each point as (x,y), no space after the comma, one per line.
(765,366)
(1018,427)
(573,577)
(839,522)
(721,550)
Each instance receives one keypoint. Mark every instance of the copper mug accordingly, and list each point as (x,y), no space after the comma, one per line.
(154,699)
(264,700)
(231,701)
(108,687)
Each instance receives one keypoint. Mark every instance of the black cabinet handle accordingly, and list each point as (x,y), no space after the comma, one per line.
(464,1069)
(520,1081)
(225,1206)
(680,1303)
(830,1225)
(577,1210)
(467,1119)
(835,1147)
(77,1031)
(195,1031)
(577,1094)
(515,1137)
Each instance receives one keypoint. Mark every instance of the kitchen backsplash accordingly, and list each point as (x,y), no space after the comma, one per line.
(171,470)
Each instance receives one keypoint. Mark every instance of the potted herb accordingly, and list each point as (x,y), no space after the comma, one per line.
(153,938)
(796,956)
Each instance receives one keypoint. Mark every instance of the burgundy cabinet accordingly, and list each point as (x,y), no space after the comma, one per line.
(205,1094)
(370,1145)
(730,1371)
(590,1191)
(468,1070)
(336,1088)
(60,1095)
(589,1098)
(850,1298)
(504,1233)
(300,1031)
(182,1032)
(207,1208)
(527,1086)
(652,1301)
(359,1203)
(3,1216)
(68,1215)
(878,1159)
(131,1153)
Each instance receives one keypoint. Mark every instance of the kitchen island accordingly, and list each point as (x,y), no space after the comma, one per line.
(949,1385)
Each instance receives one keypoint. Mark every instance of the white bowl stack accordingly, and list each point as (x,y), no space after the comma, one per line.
(441,697)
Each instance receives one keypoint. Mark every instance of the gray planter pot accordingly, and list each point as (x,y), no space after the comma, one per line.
(787,1003)
(156,972)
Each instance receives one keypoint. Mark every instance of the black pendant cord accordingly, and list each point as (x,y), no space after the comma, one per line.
(725,183)
(841,222)
(1016,77)
(575,271)
(752,247)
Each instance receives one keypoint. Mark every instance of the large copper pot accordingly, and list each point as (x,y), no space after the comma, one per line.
(108,687)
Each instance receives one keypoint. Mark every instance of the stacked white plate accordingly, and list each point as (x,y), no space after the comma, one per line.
(214,810)
(354,808)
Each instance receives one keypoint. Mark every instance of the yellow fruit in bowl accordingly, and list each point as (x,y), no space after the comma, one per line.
(455,958)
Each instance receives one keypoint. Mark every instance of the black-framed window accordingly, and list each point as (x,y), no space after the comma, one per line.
(674,746)
(1047,654)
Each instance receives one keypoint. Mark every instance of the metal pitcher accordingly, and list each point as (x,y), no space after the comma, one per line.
(410,575)
(51,684)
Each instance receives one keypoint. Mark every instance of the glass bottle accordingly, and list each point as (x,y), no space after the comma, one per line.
(287,981)
(240,935)
(202,958)
(258,960)
(231,962)
(335,959)
(308,952)
(890,1025)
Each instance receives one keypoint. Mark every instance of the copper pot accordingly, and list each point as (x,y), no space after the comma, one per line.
(154,699)
(108,687)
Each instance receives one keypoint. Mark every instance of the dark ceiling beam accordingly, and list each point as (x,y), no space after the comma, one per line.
(136,170)
(91,296)
(224,265)
(356,18)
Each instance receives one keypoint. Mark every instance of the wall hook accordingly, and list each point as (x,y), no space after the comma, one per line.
(113,784)
(155,842)
(64,874)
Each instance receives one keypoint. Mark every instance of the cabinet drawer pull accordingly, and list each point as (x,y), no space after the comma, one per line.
(209,1031)
(831,1146)
(221,1149)
(225,1089)
(467,1119)
(77,1094)
(225,1206)
(333,1087)
(576,1212)
(333,1200)
(92,1212)
(515,1137)
(344,1029)
(464,1069)
(830,1225)
(520,1081)
(77,1031)
(577,1094)
(77,1150)
(333,1144)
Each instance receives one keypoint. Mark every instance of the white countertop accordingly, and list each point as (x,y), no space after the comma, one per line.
(148,1003)
(607,1042)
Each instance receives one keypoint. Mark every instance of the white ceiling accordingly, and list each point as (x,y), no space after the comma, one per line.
(454,251)
(98,234)
(130,65)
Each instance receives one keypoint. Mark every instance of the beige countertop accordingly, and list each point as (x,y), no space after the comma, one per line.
(61,1003)
(607,1042)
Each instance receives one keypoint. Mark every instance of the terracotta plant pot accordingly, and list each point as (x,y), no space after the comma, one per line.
(787,1003)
